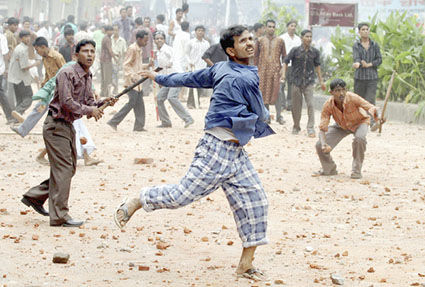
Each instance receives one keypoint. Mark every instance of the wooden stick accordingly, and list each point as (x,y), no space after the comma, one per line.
(129,88)
(387,96)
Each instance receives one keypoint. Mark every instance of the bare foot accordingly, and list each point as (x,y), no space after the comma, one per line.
(42,160)
(246,269)
(252,274)
(92,161)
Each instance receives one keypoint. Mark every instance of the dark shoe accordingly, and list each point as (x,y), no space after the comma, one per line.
(295,131)
(70,223)
(12,122)
(15,129)
(188,123)
(164,126)
(356,175)
(191,107)
(37,207)
(321,172)
(114,127)
(281,121)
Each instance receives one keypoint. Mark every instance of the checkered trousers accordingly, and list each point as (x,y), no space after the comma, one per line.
(218,164)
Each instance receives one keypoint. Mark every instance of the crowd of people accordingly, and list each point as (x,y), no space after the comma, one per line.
(248,71)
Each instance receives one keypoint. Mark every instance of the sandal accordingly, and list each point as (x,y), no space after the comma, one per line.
(122,207)
(252,274)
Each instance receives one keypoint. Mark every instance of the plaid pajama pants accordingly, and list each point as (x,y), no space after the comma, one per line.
(218,164)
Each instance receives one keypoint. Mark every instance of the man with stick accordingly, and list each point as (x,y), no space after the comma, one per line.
(133,67)
(350,114)
(236,114)
(72,100)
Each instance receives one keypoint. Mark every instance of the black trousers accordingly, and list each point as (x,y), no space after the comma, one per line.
(366,89)
(23,96)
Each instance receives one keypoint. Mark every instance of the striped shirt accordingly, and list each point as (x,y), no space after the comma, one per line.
(371,55)
(353,115)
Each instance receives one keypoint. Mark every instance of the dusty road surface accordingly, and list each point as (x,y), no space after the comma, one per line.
(370,232)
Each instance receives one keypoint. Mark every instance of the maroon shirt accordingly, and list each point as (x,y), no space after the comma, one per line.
(73,94)
(105,55)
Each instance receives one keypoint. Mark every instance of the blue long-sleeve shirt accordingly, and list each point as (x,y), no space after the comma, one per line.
(236,102)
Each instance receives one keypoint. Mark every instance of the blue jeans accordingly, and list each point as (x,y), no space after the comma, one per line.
(32,119)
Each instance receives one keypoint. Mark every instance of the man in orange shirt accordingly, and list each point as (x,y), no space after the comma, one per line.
(350,114)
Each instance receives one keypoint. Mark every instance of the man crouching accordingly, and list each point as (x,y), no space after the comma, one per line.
(350,113)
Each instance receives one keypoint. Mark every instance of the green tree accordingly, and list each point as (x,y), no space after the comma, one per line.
(281,14)
(402,42)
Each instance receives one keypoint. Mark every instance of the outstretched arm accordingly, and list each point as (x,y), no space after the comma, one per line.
(198,79)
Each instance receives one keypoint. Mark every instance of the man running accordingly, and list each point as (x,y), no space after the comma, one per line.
(236,114)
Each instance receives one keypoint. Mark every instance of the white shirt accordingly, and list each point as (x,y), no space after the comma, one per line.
(3,51)
(180,61)
(18,63)
(43,32)
(177,28)
(162,28)
(119,46)
(164,57)
(82,35)
(290,42)
(195,50)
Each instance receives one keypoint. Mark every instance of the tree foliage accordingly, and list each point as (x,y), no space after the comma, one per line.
(281,14)
(402,42)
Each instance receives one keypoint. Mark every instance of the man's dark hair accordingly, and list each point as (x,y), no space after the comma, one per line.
(128,7)
(83,26)
(71,18)
(185,7)
(109,28)
(26,19)
(12,21)
(292,22)
(83,43)
(141,34)
(67,26)
(139,21)
(270,21)
(258,26)
(185,26)
(227,40)
(40,41)
(147,17)
(160,18)
(179,10)
(123,9)
(363,24)
(305,32)
(335,83)
(68,32)
(200,27)
(24,33)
